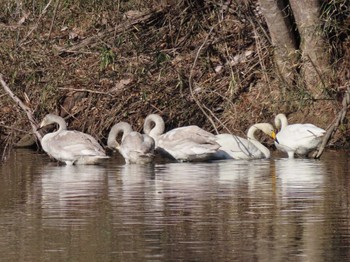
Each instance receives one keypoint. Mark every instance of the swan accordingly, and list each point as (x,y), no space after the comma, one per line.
(298,139)
(235,147)
(70,146)
(188,143)
(135,147)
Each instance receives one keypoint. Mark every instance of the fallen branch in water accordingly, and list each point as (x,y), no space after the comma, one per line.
(26,109)
(340,118)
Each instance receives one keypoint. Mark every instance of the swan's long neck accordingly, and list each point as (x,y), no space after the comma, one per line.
(48,120)
(54,119)
(61,124)
(158,127)
(121,127)
(255,142)
(281,121)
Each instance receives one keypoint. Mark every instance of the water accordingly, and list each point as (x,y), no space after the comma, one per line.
(261,210)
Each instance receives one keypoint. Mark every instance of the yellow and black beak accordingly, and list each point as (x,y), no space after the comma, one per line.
(273,135)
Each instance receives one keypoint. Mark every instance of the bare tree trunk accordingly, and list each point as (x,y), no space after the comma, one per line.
(282,37)
(315,57)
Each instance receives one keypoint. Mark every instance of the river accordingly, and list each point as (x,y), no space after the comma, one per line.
(260,210)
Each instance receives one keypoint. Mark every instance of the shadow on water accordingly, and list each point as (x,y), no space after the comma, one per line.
(223,210)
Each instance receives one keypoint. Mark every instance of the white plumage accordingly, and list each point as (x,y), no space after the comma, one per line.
(189,143)
(69,146)
(235,147)
(298,139)
(134,147)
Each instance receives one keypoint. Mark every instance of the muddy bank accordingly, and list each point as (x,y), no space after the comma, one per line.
(190,61)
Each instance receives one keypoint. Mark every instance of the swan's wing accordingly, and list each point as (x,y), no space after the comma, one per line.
(188,150)
(137,148)
(300,138)
(298,132)
(192,147)
(136,142)
(188,143)
(236,147)
(192,133)
(148,144)
(312,129)
(75,143)
(184,138)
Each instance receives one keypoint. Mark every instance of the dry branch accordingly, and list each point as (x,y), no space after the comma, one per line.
(118,29)
(340,118)
(85,90)
(37,22)
(201,107)
(25,108)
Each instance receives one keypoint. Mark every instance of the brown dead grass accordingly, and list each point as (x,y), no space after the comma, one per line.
(97,64)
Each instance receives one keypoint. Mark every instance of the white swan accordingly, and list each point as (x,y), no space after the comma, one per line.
(235,147)
(298,139)
(189,143)
(134,147)
(69,146)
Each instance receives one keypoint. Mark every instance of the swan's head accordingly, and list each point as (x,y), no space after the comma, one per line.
(114,145)
(267,128)
(52,119)
(154,125)
(272,133)
(48,119)
(122,127)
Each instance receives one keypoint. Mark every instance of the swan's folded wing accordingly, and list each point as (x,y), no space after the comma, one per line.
(188,150)
(299,138)
(77,143)
(297,132)
(193,133)
(236,147)
(138,143)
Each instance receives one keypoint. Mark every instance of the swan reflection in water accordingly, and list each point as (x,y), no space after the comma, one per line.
(70,192)
(133,195)
(300,178)
(238,170)
(287,177)
(150,188)
(300,186)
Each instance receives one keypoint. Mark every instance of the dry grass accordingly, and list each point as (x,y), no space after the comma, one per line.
(97,64)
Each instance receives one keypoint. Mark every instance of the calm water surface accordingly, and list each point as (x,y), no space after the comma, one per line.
(261,210)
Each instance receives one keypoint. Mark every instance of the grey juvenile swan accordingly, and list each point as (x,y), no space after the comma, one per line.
(235,147)
(298,139)
(134,147)
(189,143)
(70,146)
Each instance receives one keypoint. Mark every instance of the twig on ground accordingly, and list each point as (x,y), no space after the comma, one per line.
(37,22)
(53,18)
(85,90)
(115,30)
(13,128)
